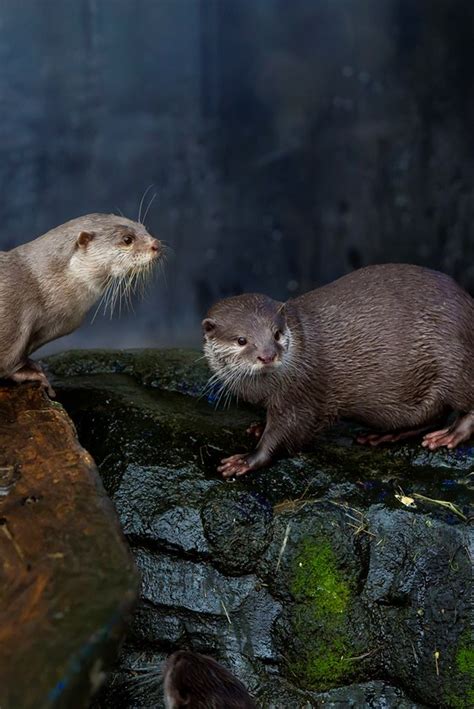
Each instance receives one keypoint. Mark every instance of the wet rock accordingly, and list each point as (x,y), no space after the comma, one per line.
(192,586)
(419,587)
(67,580)
(370,695)
(237,525)
(311,580)
(149,501)
(316,564)
(170,370)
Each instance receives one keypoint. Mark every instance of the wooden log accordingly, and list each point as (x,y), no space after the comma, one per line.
(67,580)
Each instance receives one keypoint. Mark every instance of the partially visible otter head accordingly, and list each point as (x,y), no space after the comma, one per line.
(196,681)
(107,246)
(246,337)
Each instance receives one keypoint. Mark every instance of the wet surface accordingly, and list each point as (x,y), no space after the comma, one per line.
(340,575)
(67,580)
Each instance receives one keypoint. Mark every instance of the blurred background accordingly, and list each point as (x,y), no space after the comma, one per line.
(287,142)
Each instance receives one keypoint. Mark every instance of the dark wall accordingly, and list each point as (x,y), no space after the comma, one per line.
(288,142)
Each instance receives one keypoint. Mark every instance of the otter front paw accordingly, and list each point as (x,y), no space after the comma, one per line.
(235,465)
(242,463)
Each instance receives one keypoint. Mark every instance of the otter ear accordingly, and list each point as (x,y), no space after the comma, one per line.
(84,238)
(208,326)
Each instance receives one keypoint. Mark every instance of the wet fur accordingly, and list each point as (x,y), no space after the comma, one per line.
(196,681)
(390,346)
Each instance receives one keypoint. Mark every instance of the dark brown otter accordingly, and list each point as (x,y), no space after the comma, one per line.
(199,682)
(391,346)
(48,285)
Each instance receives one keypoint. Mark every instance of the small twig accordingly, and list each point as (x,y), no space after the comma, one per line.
(360,529)
(363,656)
(283,546)
(226,613)
(12,539)
(442,503)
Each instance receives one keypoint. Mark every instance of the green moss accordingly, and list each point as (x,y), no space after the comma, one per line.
(317,577)
(465,660)
(320,618)
(325,664)
(464,677)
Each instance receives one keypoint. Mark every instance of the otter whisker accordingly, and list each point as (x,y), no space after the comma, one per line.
(107,284)
(149,205)
(152,678)
(116,295)
(141,203)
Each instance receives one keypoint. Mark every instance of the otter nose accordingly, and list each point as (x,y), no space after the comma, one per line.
(155,245)
(267,358)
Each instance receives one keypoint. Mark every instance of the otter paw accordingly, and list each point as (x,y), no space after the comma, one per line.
(256,430)
(29,374)
(376,439)
(452,436)
(234,466)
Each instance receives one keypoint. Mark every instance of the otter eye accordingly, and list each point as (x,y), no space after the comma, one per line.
(277,335)
(128,239)
(242,341)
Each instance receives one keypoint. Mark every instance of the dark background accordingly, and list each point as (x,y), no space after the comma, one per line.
(288,142)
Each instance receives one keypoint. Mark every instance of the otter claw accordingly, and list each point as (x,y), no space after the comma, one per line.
(256,430)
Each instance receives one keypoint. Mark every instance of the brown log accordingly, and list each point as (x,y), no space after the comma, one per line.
(67,579)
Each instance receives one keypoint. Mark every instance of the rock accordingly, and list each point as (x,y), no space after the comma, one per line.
(67,580)
(148,500)
(315,566)
(311,580)
(237,525)
(173,370)
(370,695)
(192,586)
(416,587)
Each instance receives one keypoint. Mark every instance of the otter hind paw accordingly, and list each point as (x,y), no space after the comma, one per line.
(32,372)
(460,431)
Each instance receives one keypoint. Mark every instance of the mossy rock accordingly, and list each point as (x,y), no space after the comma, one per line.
(380,587)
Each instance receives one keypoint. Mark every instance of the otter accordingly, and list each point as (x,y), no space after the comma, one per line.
(199,682)
(48,285)
(390,346)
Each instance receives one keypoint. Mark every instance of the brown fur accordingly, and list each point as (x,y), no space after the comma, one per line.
(48,285)
(196,681)
(391,346)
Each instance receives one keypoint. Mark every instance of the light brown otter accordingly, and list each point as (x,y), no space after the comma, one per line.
(391,346)
(199,682)
(48,285)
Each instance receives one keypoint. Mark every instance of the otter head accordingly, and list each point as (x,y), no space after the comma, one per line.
(110,247)
(246,337)
(197,681)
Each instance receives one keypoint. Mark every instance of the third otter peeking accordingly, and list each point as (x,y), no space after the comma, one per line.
(391,346)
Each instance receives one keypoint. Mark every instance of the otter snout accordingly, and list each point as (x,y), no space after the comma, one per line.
(267,358)
(152,247)
(155,246)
